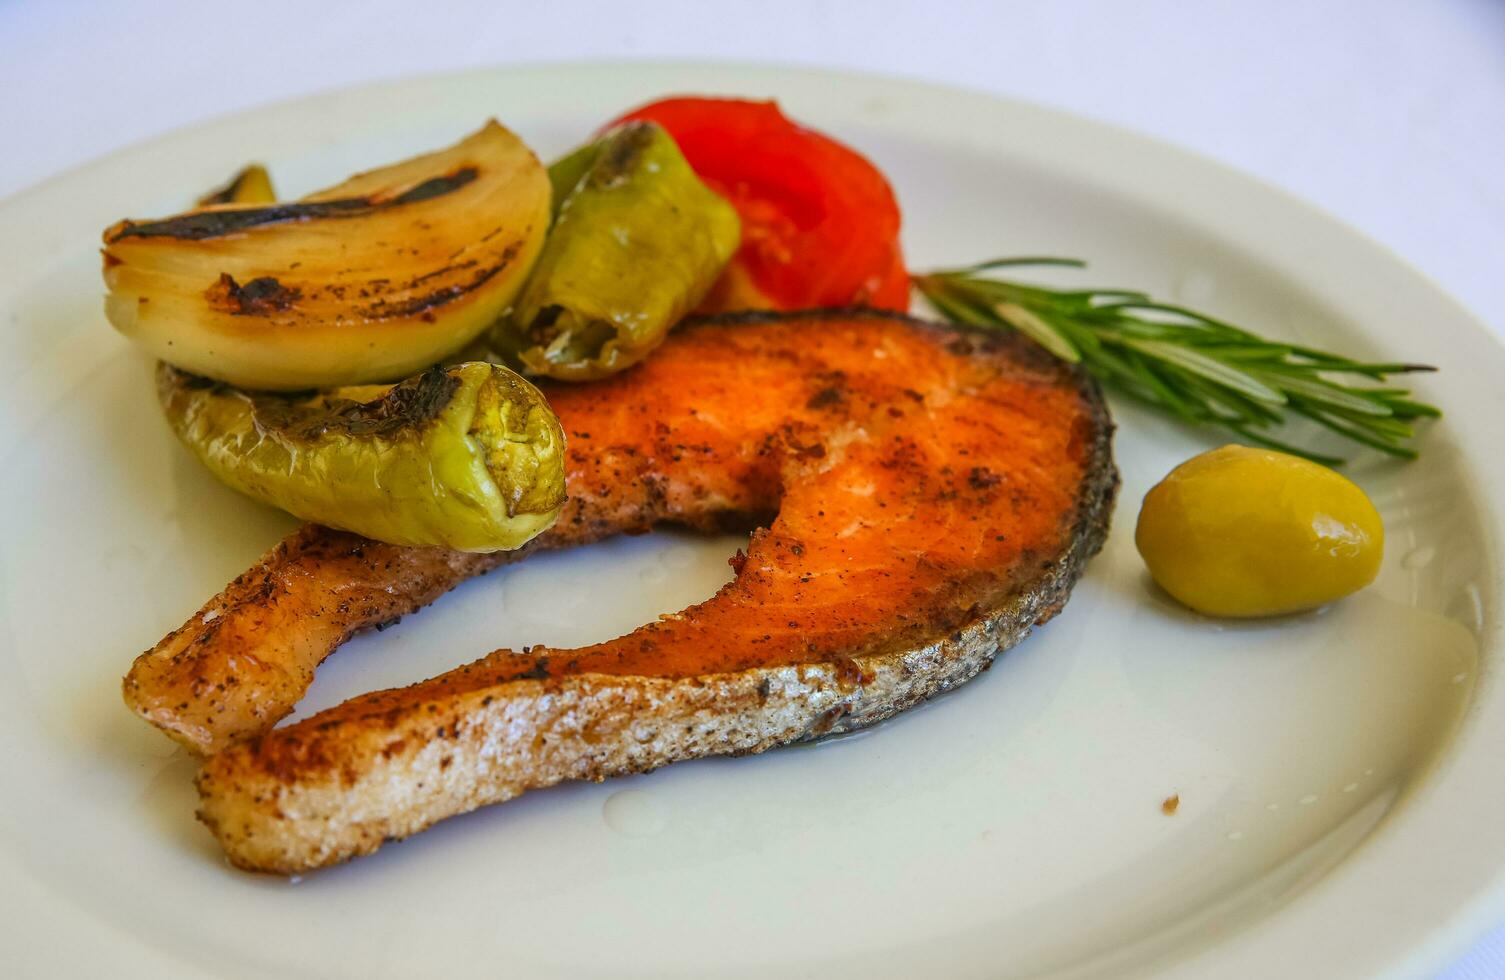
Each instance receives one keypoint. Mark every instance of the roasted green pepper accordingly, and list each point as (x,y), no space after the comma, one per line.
(566,173)
(468,457)
(637,241)
(253,185)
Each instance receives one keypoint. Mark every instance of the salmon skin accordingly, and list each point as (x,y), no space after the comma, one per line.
(933,494)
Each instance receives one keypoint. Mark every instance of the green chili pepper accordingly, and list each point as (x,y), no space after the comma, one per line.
(637,241)
(468,457)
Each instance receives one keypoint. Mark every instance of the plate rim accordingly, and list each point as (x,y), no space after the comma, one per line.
(1470,908)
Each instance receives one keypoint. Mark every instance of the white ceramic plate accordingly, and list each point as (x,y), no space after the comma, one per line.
(1340,795)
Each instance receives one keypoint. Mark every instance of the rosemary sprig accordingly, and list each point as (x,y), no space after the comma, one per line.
(1196,367)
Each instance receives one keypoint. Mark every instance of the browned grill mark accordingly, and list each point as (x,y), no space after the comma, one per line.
(411,403)
(384,309)
(622,153)
(261,296)
(202,225)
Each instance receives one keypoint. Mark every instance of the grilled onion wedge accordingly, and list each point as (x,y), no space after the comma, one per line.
(468,457)
(369,281)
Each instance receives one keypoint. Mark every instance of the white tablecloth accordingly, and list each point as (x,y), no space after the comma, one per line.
(1388,113)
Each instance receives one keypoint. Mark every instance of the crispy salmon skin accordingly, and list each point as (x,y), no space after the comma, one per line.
(936,493)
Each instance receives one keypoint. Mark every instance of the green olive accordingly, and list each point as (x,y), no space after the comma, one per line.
(468,457)
(1244,532)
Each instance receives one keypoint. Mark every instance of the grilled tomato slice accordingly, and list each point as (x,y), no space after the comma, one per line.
(820,224)
(368,281)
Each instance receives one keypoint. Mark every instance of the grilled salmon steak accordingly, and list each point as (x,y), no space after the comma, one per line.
(930,495)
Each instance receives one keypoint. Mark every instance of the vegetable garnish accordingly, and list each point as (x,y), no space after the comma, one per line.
(1244,532)
(369,281)
(637,242)
(1198,368)
(820,225)
(468,457)
(253,185)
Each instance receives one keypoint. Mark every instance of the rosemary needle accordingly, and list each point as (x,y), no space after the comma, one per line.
(1195,367)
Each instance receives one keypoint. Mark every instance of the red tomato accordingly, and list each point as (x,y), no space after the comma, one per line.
(820,226)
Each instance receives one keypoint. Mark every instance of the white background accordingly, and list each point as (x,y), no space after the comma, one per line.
(1388,113)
